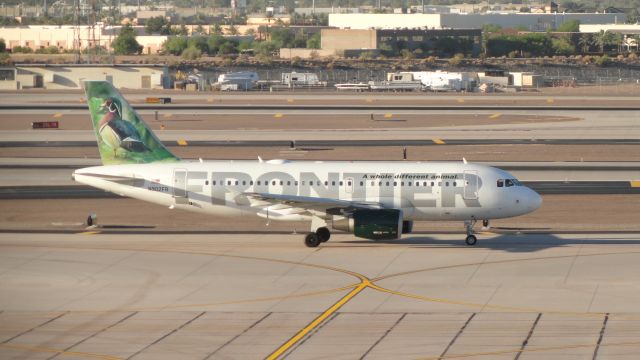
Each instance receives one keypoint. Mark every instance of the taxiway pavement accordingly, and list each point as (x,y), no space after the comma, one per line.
(549,296)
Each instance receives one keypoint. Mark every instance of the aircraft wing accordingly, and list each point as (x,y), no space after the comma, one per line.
(313,204)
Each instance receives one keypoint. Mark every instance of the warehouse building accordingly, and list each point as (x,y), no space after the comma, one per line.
(352,42)
(71,76)
(531,21)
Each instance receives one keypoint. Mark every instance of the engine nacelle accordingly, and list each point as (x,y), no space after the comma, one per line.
(378,224)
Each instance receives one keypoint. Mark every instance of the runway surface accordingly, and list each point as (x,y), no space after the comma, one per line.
(252,297)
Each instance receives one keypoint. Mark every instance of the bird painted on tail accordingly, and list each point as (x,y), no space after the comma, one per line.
(117,132)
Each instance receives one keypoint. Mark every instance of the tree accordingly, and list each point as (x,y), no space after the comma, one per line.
(314,41)
(175,45)
(491,28)
(233,30)
(562,46)
(569,26)
(603,39)
(214,43)
(199,42)
(157,25)
(585,42)
(228,47)
(125,43)
(215,29)
(573,7)
(3,46)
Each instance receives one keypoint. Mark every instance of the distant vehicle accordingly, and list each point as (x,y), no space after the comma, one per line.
(244,80)
(376,200)
(353,86)
(301,80)
(445,81)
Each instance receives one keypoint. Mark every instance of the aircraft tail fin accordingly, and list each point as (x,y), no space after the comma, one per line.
(123,138)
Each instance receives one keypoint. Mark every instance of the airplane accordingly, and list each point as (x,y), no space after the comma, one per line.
(377,200)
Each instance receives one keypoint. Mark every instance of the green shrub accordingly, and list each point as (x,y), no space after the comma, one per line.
(191,53)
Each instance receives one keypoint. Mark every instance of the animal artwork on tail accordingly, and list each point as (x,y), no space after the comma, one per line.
(123,138)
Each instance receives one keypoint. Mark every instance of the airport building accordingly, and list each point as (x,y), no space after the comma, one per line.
(70,76)
(70,37)
(531,21)
(441,42)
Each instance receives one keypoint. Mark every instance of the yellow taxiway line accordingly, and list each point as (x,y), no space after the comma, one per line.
(317,321)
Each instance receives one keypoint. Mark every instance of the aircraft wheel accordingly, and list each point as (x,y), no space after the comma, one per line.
(323,234)
(312,240)
(471,240)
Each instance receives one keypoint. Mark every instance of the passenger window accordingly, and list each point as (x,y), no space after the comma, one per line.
(454,183)
(236,182)
(402,183)
(281,182)
(361,183)
(333,183)
(228,182)
(446,183)
(387,183)
(508,182)
(395,183)
(251,182)
(213,182)
(302,182)
(373,183)
(296,183)
(343,183)
(432,184)
(409,183)
(258,182)
(500,183)
(273,182)
(288,183)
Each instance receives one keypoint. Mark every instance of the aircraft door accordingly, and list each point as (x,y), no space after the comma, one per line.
(470,184)
(180,193)
(348,185)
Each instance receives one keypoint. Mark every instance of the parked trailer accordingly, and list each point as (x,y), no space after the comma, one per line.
(353,86)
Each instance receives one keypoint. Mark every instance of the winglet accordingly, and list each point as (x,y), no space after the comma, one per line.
(464,160)
(260,160)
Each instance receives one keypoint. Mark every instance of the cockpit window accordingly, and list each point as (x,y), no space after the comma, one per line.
(500,183)
(509,182)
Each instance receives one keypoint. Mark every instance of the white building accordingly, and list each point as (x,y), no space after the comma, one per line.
(615,28)
(69,37)
(533,22)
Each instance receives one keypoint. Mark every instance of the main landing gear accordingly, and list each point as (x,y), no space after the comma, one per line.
(471,239)
(314,239)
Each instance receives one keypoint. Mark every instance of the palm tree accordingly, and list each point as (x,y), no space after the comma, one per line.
(585,42)
(603,38)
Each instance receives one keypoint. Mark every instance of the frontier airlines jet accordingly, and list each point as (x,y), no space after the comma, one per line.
(371,199)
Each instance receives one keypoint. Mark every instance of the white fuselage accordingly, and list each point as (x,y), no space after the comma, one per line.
(423,191)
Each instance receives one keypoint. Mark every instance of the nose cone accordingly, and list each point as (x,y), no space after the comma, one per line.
(534,200)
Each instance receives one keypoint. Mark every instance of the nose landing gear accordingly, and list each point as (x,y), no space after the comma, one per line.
(471,239)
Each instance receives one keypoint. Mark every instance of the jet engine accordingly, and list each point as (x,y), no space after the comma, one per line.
(374,224)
